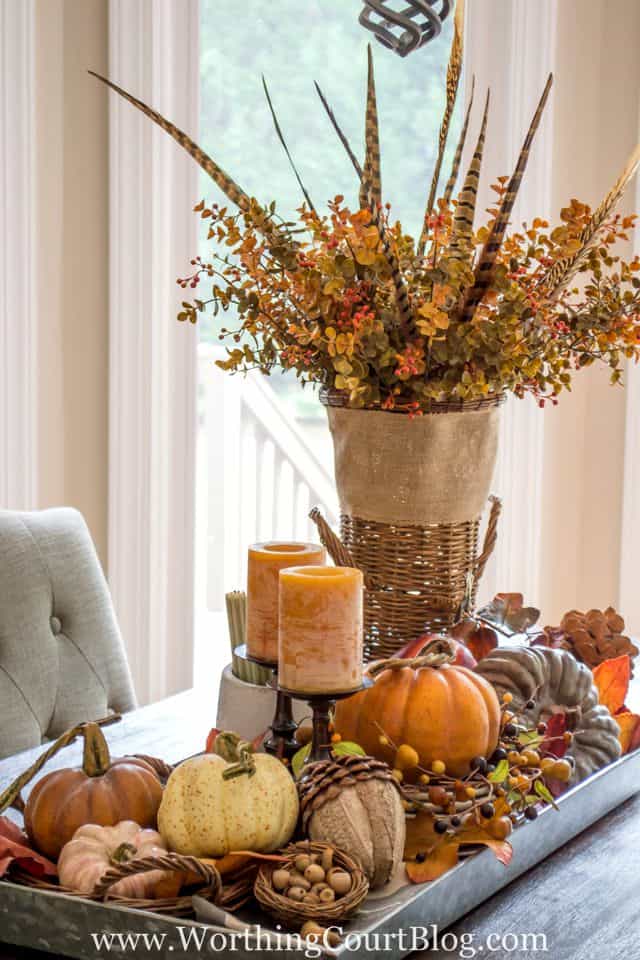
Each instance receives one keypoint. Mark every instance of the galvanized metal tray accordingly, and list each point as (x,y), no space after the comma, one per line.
(64,925)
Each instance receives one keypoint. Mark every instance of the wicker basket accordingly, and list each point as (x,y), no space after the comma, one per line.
(230,896)
(412,493)
(291,914)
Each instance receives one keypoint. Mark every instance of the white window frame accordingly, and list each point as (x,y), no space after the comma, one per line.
(18,268)
(154,53)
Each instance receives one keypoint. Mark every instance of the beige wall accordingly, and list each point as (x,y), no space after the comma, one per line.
(72,218)
(597,106)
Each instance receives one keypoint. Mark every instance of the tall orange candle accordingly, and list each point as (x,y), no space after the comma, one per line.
(266,560)
(320,633)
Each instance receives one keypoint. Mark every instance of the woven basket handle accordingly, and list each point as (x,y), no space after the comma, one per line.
(341,555)
(211,880)
(490,538)
(336,549)
(11,796)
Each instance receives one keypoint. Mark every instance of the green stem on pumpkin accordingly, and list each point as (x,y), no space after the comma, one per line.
(95,758)
(123,853)
(11,796)
(237,752)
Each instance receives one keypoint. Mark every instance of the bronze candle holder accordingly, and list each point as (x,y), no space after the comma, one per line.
(321,705)
(281,742)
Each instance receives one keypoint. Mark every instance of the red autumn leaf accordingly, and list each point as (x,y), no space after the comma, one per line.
(481,642)
(439,861)
(612,677)
(553,738)
(15,849)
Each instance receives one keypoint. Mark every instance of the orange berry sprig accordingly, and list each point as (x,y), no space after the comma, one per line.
(453,802)
(521,769)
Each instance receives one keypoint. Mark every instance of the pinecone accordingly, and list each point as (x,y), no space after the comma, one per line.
(328,778)
(591,637)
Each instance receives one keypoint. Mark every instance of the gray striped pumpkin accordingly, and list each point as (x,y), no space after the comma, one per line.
(555,679)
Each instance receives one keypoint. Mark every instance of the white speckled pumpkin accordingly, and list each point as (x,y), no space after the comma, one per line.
(229,800)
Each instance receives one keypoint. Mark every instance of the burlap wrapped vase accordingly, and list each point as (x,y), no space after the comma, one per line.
(412,493)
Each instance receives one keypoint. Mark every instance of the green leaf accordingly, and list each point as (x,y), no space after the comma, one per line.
(501,772)
(543,791)
(341,749)
(529,738)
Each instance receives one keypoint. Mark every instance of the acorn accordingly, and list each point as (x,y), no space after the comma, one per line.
(296,893)
(327,859)
(301,862)
(312,929)
(317,888)
(314,873)
(280,879)
(299,880)
(340,882)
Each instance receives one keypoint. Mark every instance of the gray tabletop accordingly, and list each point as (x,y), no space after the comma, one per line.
(579,904)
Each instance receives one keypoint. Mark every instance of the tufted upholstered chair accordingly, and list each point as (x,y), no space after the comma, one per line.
(61,654)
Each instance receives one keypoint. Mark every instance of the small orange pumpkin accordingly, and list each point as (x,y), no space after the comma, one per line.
(445,712)
(102,792)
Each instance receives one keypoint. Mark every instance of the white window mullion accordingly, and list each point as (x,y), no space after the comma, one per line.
(511,49)
(153,53)
(18,320)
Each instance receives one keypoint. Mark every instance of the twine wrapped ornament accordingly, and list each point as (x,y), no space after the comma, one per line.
(354,803)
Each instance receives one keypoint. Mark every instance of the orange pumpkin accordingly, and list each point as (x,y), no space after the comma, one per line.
(446,712)
(102,792)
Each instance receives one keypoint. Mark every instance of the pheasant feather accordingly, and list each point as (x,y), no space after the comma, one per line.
(454,70)
(341,135)
(562,271)
(371,184)
(228,186)
(282,140)
(462,227)
(486,263)
(401,294)
(455,166)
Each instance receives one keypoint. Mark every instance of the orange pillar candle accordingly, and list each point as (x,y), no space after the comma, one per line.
(320,634)
(266,560)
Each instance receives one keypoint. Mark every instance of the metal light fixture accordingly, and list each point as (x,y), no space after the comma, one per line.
(403,28)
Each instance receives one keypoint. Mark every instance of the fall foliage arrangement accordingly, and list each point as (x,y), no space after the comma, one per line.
(348,300)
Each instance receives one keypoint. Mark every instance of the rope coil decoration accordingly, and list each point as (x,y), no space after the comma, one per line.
(408,29)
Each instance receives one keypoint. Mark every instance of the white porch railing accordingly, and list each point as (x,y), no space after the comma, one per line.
(262,475)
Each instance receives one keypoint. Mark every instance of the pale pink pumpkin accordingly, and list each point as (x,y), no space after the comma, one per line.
(94,849)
